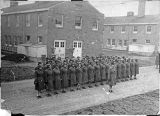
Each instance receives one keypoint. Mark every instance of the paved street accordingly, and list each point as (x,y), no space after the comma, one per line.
(19,96)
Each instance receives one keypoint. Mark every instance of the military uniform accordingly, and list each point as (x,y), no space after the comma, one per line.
(127,69)
(64,77)
(112,79)
(85,74)
(97,73)
(49,78)
(72,76)
(119,68)
(123,71)
(57,78)
(107,70)
(91,73)
(79,75)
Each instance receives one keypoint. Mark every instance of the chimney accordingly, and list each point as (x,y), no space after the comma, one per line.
(130,13)
(13,3)
(141,8)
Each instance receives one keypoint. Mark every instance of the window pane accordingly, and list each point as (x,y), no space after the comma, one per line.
(62,44)
(39,39)
(111,28)
(148,28)
(75,44)
(134,40)
(125,42)
(78,21)
(59,20)
(135,28)
(147,41)
(40,22)
(27,38)
(109,41)
(120,42)
(56,44)
(95,24)
(113,42)
(123,28)
(28,20)
(79,45)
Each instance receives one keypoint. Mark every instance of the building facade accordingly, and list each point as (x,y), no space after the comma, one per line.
(65,29)
(133,33)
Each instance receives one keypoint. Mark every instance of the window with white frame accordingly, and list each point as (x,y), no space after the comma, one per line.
(40,21)
(108,41)
(78,22)
(111,29)
(28,38)
(125,42)
(95,25)
(120,42)
(135,29)
(123,29)
(148,41)
(113,42)
(8,21)
(17,21)
(134,40)
(59,20)
(28,18)
(148,29)
(40,39)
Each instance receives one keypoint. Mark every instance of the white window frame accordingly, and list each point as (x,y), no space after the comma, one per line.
(17,21)
(39,39)
(95,29)
(148,32)
(110,42)
(122,29)
(111,29)
(119,42)
(146,41)
(28,19)
(124,43)
(78,27)
(58,25)
(134,30)
(39,25)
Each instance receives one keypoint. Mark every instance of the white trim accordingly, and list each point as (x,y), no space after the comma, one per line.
(79,27)
(149,31)
(58,25)
(123,31)
(95,29)
(130,24)
(29,11)
(39,25)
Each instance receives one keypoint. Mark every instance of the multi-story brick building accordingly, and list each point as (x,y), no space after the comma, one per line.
(44,28)
(138,34)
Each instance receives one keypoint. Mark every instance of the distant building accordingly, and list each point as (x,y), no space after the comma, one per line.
(137,34)
(65,29)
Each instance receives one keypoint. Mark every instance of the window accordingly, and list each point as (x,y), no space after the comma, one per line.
(74,44)
(134,40)
(123,29)
(56,44)
(148,41)
(39,39)
(79,44)
(59,20)
(148,29)
(62,44)
(111,29)
(8,21)
(27,38)
(9,40)
(95,25)
(120,43)
(15,40)
(125,42)
(20,40)
(109,42)
(40,21)
(135,29)
(78,22)
(17,21)
(28,20)
(113,42)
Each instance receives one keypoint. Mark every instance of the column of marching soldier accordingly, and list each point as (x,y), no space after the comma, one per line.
(69,74)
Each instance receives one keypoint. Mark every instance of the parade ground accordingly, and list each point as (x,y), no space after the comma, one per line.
(20,96)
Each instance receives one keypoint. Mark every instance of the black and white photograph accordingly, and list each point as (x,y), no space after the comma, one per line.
(80,57)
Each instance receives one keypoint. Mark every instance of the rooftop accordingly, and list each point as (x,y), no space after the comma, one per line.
(132,19)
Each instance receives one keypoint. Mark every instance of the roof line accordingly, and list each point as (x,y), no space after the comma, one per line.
(29,11)
(132,24)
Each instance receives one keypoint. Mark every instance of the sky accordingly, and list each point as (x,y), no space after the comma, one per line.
(112,8)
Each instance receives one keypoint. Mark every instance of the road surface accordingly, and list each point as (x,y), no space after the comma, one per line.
(20,96)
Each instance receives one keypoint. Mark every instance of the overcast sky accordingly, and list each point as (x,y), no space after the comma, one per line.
(120,7)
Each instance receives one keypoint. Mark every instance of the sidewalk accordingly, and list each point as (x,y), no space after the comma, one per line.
(20,96)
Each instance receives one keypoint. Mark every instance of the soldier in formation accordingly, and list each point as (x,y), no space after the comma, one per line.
(58,75)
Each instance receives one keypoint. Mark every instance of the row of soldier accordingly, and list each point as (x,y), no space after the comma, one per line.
(56,74)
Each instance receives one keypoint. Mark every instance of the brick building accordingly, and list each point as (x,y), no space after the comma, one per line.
(65,29)
(137,34)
